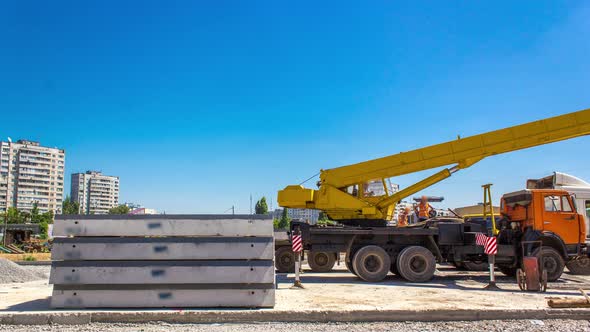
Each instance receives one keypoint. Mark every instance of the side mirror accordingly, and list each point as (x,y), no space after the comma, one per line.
(573,197)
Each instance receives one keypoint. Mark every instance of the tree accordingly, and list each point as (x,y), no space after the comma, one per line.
(261,206)
(70,207)
(14,216)
(324,220)
(121,209)
(284,222)
(35,213)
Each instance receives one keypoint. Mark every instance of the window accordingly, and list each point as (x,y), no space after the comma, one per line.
(588,209)
(566,204)
(552,203)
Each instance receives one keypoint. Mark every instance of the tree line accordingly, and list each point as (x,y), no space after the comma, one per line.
(283,222)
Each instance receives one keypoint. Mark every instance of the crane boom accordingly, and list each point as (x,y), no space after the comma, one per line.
(343,191)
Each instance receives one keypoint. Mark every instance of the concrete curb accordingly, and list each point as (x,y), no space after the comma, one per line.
(263,315)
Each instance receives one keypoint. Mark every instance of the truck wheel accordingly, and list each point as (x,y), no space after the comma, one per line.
(321,261)
(349,265)
(285,260)
(507,270)
(552,262)
(416,264)
(476,266)
(579,266)
(371,263)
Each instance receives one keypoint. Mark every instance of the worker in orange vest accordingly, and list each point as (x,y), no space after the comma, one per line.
(402,220)
(423,209)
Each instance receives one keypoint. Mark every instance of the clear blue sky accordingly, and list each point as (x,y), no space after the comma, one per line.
(197,104)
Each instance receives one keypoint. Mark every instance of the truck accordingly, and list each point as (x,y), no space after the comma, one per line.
(373,247)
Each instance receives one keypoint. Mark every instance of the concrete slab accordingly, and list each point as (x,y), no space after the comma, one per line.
(157,248)
(161,272)
(163,225)
(164,298)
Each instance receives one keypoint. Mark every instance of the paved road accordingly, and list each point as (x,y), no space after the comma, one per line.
(508,326)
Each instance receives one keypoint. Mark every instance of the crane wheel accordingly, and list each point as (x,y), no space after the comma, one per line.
(285,260)
(416,264)
(579,266)
(348,263)
(552,262)
(371,263)
(321,261)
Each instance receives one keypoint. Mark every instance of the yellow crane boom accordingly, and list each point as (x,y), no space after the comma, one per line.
(344,192)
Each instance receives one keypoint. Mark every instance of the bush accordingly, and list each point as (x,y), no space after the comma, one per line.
(30,258)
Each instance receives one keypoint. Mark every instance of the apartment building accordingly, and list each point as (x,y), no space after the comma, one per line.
(95,192)
(29,174)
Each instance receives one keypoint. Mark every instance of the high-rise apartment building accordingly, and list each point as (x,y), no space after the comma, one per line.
(96,193)
(29,174)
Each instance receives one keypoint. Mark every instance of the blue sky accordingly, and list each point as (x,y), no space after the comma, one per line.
(196,105)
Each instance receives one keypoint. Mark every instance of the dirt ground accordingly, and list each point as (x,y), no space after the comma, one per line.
(340,290)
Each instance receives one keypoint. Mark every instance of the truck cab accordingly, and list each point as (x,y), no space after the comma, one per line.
(577,187)
(549,216)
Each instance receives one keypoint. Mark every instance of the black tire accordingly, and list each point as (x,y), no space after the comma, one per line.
(321,261)
(348,263)
(416,264)
(285,260)
(371,263)
(579,266)
(552,262)
(476,266)
(508,270)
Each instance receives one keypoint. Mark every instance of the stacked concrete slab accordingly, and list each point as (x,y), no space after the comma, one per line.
(164,261)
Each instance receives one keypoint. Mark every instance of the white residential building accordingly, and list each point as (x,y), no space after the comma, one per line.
(96,193)
(31,174)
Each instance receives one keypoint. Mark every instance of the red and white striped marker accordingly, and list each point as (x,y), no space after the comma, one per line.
(491,247)
(297,245)
(480,239)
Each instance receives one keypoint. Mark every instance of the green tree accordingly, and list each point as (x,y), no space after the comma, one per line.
(324,220)
(35,213)
(14,216)
(70,207)
(284,222)
(121,209)
(261,206)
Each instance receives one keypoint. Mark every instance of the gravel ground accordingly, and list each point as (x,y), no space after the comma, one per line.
(524,325)
(11,272)
(40,270)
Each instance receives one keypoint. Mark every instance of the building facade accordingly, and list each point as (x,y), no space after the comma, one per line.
(95,192)
(31,174)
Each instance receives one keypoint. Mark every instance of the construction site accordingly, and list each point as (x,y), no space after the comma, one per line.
(294,166)
(524,258)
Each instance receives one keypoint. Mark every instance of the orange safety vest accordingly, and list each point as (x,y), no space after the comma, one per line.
(402,220)
(423,210)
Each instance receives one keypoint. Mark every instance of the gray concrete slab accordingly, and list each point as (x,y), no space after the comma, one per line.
(161,272)
(170,248)
(162,298)
(163,225)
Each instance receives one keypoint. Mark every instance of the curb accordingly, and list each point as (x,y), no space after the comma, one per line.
(263,315)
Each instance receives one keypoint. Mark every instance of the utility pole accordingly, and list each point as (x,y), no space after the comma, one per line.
(250,204)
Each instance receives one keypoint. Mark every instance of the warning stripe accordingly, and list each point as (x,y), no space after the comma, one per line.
(480,239)
(297,246)
(491,247)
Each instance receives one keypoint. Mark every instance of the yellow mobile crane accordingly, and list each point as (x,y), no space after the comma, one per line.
(373,249)
(344,193)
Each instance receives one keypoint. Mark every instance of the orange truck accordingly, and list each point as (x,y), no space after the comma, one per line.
(542,222)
